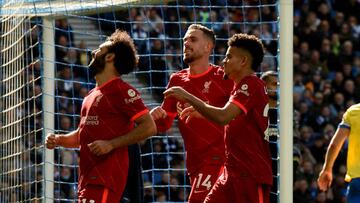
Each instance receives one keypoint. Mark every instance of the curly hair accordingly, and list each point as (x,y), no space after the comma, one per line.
(123,47)
(250,43)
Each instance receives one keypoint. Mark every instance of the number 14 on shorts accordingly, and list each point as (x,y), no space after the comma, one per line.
(201,181)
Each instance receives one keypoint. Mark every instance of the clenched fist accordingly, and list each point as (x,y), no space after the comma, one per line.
(158,113)
(51,141)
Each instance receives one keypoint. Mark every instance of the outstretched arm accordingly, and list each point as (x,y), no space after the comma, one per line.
(69,140)
(218,115)
(145,128)
(325,176)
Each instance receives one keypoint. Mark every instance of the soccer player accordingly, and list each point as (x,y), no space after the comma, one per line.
(204,140)
(113,116)
(247,174)
(271,81)
(348,128)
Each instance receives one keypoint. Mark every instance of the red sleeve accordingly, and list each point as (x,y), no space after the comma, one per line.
(242,107)
(131,103)
(244,95)
(169,105)
(164,124)
(136,116)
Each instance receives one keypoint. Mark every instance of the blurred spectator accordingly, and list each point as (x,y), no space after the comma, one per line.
(301,191)
(64,29)
(158,76)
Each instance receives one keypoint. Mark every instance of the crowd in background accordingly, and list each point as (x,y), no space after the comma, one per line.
(326,82)
(326,67)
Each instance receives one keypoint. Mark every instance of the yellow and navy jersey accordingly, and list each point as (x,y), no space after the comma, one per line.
(351,121)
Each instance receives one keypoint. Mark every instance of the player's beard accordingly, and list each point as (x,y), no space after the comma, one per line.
(97,65)
(225,76)
(273,96)
(191,57)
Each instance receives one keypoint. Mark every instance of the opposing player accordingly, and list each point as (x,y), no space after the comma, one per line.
(348,128)
(204,140)
(271,81)
(247,175)
(108,117)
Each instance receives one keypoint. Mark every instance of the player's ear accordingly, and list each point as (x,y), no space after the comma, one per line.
(209,46)
(110,57)
(243,60)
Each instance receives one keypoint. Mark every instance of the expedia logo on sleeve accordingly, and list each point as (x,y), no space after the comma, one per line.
(243,89)
(133,96)
(131,92)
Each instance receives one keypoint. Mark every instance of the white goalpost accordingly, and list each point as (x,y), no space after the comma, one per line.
(286,101)
(48,103)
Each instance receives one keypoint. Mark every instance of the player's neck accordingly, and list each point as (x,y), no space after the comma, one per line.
(272,103)
(243,74)
(198,67)
(105,76)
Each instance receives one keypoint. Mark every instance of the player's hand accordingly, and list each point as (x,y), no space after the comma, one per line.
(180,107)
(100,147)
(177,92)
(189,113)
(158,113)
(51,141)
(324,180)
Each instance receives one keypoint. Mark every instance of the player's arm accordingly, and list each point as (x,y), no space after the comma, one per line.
(165,114)
(69,140)
(218,115)
(325,176)
(145,127)
(163,119)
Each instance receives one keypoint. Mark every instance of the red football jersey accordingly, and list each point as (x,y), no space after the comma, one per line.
(108,111)
(204,140)
(247,151)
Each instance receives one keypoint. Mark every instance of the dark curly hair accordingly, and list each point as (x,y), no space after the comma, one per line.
(123,47)
(250,43)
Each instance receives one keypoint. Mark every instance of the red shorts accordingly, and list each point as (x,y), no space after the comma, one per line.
(97,194)
(238,190)
(202,181)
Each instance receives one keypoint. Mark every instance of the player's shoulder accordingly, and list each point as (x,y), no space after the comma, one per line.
(354,110)
(120,87)
(252,85)
(354,107)
(90,92)
(179,75)
(126,87)
(217,68)
(180,72)
(112,85)
(253,80)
